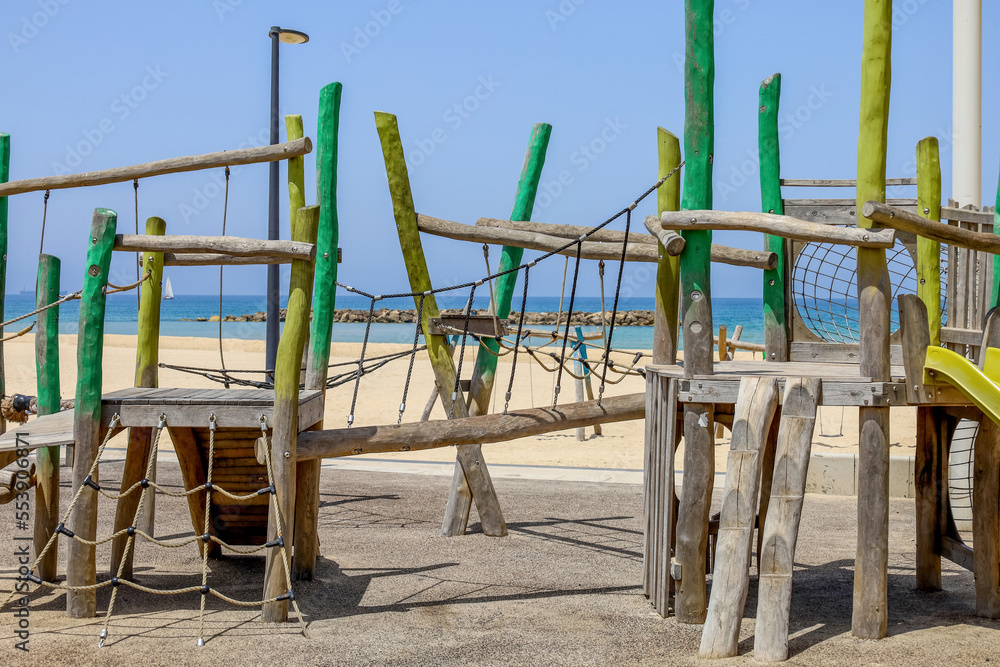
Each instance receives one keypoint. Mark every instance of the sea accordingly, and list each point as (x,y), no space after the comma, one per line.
(121,316)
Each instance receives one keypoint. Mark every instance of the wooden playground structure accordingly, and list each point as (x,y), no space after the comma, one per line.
(250,458)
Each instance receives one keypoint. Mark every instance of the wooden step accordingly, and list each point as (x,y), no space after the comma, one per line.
(781,526)
(755,406)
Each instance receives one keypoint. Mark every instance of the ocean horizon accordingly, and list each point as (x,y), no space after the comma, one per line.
(121,316)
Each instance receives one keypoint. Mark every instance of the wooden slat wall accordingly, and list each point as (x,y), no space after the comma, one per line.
(969,279)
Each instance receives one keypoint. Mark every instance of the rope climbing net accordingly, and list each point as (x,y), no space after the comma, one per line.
(550,355)
(146,486)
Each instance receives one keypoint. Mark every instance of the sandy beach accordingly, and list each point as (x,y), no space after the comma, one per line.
(379,395)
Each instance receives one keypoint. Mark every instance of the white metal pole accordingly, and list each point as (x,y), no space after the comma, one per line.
(967,102)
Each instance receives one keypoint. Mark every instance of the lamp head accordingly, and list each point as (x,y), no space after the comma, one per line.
(288,36)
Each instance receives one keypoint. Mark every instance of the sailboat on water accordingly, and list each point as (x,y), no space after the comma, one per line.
(168,291)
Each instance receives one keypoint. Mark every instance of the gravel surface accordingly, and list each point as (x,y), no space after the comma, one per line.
(562,589)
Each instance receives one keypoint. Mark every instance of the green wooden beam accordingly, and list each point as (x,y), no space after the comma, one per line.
(327,237)
(690,601)
(307,475)
(49,398)
(776,307)
(996,258)
(929,251)
(474,478)
(81,564)
(667,268)
(484,373)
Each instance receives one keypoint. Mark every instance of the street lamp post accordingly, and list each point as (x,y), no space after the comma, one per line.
(273,229)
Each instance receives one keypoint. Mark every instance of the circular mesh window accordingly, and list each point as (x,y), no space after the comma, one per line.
(825,288)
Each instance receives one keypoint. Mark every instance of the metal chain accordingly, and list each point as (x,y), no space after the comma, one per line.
(45,214)
(517,341)
(456,392)
(569,317)
(413,355)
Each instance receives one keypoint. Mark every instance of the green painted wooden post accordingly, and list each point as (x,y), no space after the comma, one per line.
(696,306)
(81,567)
(327,237)
(140,439)
(296,169)
(667,268)
(4,177)
(479,483)
(49,397)
(484,373)
(307,474)
(871,566)
(776,310)
(285,426)
(928,251)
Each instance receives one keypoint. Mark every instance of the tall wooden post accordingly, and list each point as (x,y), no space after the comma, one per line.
(81,564)
(484,372)
(307,473)
(929,251)
(871,565)
(140,439)
(4,177)
(285,428)
(480,485)
(696,305)
(49,397)
(667,268)
(776,318)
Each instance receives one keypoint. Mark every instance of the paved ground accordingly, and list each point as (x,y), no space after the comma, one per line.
(563,589)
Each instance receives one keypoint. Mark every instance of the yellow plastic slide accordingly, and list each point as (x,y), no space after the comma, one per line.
(981,387)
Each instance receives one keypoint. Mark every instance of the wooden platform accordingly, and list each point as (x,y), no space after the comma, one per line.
(189,408)
(843,384)
(233,408)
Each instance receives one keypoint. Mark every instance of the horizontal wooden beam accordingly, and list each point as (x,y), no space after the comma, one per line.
(470,430)
(566,231)
(898,218)
(270,153)
(210,259)
(839,182)
(778,225)
(635,252)
(214,259)
(226,245)
(672,242)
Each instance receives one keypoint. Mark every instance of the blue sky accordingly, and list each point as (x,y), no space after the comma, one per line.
(97,85)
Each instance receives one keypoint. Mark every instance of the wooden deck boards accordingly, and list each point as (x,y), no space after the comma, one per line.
(842,383)
(233,408)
